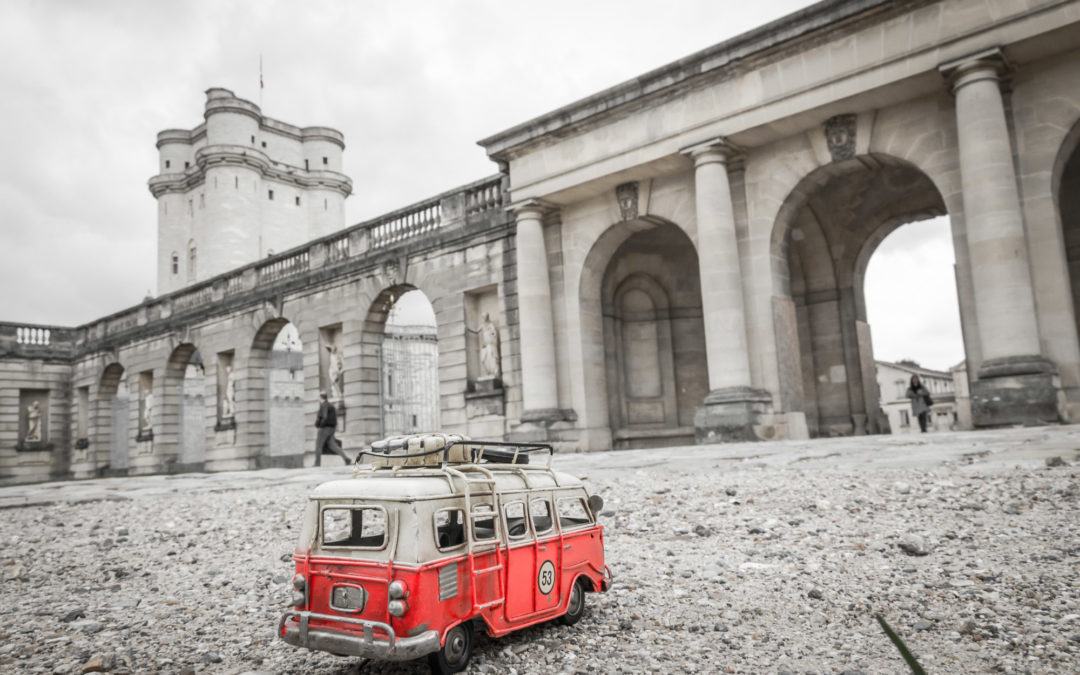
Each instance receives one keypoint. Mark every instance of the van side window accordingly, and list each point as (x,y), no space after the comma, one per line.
(516,525)
(541,515)
(363,527)
(572,513)
(449,528)
(483,519)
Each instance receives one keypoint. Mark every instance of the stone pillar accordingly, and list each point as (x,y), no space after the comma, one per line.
(1016,384)
(540,399)
(732,406)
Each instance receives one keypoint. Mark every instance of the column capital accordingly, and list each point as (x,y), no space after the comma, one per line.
(989,64)
(533,206)
(718,149)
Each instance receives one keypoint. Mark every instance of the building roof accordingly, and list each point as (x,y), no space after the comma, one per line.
(916,370)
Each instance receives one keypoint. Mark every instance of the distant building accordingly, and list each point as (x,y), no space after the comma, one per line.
(893,380)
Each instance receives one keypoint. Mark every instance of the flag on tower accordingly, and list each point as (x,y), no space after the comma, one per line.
(260,72)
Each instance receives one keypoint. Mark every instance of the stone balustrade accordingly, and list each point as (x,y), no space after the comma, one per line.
(36,340)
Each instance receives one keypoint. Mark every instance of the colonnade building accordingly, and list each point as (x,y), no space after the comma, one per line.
(679,258)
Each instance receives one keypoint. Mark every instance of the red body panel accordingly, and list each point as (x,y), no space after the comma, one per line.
(502,587)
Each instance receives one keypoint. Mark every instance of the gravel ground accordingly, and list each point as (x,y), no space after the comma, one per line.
(724,566)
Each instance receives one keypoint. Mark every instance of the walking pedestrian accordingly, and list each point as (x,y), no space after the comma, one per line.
(326,423)
(920,402)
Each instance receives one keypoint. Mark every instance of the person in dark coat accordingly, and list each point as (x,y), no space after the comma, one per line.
(326,423)
(920,401)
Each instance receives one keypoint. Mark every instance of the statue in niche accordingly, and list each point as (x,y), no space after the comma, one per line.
(335,372)
(33,423)
(489,349)
(228,401)
(148,411)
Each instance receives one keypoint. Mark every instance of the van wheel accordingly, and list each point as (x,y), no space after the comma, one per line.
(455,653)
(576,607)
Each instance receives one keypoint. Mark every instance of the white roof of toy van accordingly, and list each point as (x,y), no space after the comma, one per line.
(421,483)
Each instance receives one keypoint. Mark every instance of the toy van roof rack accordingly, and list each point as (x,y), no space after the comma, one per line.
(447,450)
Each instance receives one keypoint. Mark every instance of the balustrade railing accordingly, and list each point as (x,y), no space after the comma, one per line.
(36,338)
(193,298)
(234,284)
(28,335)
(421,220)
(337,248)
(484,197)
(291,265)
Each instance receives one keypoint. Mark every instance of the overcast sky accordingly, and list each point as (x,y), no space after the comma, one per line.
(86,86)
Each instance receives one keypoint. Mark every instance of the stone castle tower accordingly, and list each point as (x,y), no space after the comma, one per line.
(240,187)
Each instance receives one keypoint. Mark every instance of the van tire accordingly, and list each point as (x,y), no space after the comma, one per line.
(454,655)
(575,607)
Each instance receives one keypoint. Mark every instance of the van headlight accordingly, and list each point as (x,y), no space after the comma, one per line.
(397,590)
(299,595)
(397,608)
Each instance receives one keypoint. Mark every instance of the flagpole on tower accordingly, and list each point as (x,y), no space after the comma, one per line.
(260,83)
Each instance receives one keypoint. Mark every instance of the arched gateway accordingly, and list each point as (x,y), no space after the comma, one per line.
(676,259)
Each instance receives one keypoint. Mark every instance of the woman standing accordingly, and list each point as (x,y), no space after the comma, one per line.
(920,401)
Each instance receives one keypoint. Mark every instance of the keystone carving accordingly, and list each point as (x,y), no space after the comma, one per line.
(840,137)
(627,197)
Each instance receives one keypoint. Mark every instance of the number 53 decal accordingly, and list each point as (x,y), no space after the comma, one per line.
(545,580)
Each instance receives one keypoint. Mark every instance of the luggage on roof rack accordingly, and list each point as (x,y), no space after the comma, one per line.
(439,449)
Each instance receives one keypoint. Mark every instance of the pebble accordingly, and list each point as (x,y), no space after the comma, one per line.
(915,545)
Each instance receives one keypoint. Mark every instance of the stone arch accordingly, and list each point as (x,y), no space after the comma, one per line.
(1065,192)
(654,262)
(373,330)
(826,232)
(112,420)
(183,411)
(253,401)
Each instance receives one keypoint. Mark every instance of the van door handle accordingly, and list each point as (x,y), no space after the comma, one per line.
(566,548)
(543,548)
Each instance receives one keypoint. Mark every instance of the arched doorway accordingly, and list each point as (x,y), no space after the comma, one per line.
(184,408)
(113,417)
(827,231)
(641,308)
(1067,196)
(409,366)
(272,412)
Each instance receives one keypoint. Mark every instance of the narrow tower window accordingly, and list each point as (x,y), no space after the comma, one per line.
(264,144)
(175,263)
(236,182)
(298,200)
(271,195)
(167,164)
(325,161)
(191,262)
(187,164)
(307,165)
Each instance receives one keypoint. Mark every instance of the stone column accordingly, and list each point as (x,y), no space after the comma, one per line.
(733,405)
(539,385)
(1016,384)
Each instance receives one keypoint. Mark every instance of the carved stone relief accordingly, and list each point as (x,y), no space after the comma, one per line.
(840,137)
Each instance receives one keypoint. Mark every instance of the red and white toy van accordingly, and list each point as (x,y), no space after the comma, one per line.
(439,536)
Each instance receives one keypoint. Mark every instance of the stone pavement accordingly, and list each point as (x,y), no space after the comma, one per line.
(985,450)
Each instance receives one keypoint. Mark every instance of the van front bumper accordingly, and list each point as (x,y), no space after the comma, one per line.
(388,648)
